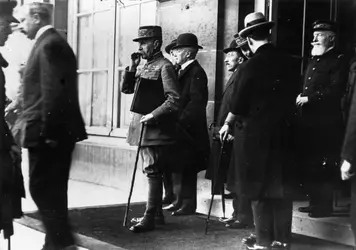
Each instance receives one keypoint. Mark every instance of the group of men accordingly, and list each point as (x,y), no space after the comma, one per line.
(274,126)
(50,124)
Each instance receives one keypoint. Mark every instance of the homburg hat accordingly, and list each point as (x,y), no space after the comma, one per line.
(254,21)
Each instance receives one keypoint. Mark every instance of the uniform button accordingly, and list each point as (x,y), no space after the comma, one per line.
(313,68)
(318,59)
(306,87)
(309,78)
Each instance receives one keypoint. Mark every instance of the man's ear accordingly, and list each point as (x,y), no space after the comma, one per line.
(36,18)
(332,39)
(156,44)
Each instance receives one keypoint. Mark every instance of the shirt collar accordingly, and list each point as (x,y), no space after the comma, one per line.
(184,65)
(42,30)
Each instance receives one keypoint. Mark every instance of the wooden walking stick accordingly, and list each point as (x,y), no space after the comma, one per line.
(133,175)
(223,199)
(214,182)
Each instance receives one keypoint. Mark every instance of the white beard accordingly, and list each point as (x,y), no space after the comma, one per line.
(318,50)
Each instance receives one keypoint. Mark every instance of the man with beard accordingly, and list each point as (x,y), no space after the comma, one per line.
(193,138)
(156,102)
(261,107)
(52,121)
(242,215)
(321,119)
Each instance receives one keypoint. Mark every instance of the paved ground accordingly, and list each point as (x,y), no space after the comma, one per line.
(89,195)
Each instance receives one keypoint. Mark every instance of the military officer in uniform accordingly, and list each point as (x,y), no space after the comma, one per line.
(156,100)
(321,119)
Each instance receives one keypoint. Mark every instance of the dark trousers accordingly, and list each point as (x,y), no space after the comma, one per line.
(320,195)
(353,207)
(185,190)
(49,173)
(242,209)
(273,220)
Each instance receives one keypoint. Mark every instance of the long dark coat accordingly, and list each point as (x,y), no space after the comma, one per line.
(322,124)
(224,109)
(50,96)
(264,102)
(156,91)
(192,128)
(11,180)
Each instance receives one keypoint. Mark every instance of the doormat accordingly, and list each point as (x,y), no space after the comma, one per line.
(185,232)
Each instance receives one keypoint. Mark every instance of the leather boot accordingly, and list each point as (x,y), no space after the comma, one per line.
(154,202)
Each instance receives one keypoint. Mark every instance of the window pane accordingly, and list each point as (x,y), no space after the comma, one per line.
(84,88)
(148,13)
(85,5)
(99,97)
(103,27)
(84,42)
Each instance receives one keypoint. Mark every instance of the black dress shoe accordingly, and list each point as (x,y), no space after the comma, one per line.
(145,225)
(307,209)
(229,220)
(277,245)
(183,212)
(250,240)
(170,208)
(239,225)
(258,247)
(159,220)
(316,213)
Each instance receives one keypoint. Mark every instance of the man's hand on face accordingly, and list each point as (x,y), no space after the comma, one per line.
(146,118)
(135,60)
(345,171)
(301,100)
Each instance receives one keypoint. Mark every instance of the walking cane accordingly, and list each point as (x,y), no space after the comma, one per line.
(223,199)
(214,182)
(9,243)
(133,175)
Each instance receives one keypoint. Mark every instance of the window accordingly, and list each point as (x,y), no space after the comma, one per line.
(101,33)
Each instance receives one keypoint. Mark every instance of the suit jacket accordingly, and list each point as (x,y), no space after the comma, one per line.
(156,91)
(192,122)
(264,102)
(50,93)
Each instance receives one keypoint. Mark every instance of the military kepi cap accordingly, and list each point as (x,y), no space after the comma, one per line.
(6,9)
(145,32)
(324,25)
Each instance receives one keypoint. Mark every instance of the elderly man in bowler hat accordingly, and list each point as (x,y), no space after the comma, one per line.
(321,119)
(11,181)
(156,101)
(242,215)
(193,138)
(260,109)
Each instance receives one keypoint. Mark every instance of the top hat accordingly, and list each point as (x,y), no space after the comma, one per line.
(253,21)
(187,40)
(324,25)
(169,47)
(145,32)
(6,9)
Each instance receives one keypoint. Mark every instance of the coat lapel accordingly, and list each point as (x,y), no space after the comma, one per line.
(186,69)
(230,81)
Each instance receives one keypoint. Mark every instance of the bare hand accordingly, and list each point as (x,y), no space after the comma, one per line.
(301,100)
(345,171)
(135,60)
(146,118)
(224,132)
(51,143)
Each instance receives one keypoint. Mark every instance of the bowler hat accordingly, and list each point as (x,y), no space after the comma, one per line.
(6,9)
(324,25)
(187,40)
(232,47)
(145,32)
(254,21)
(169,47)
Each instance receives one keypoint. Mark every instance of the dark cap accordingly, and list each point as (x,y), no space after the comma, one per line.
(145,32)
(169,47)
(324,25)
(6,9)
(232,47)
(187,40)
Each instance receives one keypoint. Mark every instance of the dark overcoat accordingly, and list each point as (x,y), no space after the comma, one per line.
(322,124)
(224,109)
(192,128)
(11,180)
(264,102)
(50,93)
(155,88)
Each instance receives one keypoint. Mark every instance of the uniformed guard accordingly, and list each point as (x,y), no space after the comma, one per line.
(321,128)
(156,101)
